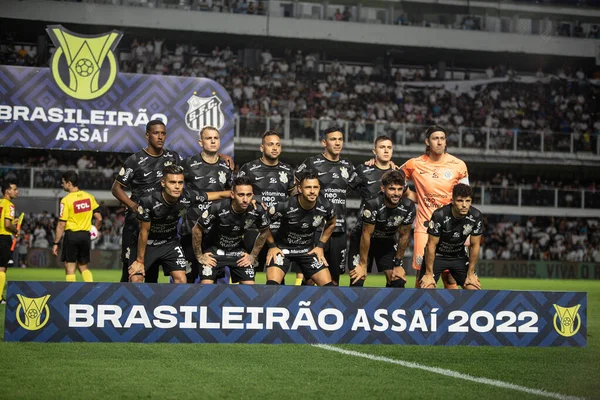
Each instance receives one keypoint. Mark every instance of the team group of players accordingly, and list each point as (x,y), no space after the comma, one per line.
(273,216)
(193,218)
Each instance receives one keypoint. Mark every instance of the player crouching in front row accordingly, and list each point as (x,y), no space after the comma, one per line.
(448,229)
(300,217)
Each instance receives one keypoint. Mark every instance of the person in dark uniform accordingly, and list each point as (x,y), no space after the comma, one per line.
(300,217)
(141,173)
(228,220)
(207,171)
(374,237)
(159,213)
(366,180)
(272,183)
(448,229)
(334,173)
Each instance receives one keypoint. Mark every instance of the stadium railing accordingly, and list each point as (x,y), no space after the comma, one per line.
(406,134)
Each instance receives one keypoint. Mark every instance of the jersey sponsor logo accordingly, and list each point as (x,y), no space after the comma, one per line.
(11,211)
(252,168)
(80,206)
(318,162)
(84,57)
(321,173)
(273,180)
(147,173)
(195,163)
(258,178)
(204,111)
(456,235)
(292,209)
(371,182)
(198,177)
(565,319)
(142,160)
(30,312)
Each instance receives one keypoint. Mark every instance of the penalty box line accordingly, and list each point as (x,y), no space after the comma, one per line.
(450,373)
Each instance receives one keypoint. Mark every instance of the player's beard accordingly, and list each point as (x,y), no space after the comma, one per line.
(270,158)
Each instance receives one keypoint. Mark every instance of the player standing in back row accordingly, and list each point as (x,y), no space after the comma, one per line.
(141,173)
(434,174)
(334,173)
(207,172)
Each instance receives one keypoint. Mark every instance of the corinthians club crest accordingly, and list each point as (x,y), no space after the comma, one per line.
(204,111)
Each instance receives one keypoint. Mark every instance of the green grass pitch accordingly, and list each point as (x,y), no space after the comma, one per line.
(237,371)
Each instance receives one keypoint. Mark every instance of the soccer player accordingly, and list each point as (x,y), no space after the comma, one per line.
(158,213)
(367,178)
(434,174)
(10,191)
(75,220)
(334,174)
(228,220)
(206,171)
(449,228)
(272,180)
(300,217)
(141,173)
(374,236)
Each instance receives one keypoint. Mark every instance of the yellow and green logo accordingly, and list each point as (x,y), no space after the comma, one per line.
(30,312)
(565,319)
(84,56)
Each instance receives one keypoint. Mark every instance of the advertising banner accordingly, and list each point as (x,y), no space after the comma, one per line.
(148,313)
(82,102)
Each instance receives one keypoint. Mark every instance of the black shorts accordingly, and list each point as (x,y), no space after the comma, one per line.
(226,259)
(308,264)
(169,255)
(382,250)
(335,254)
(6,256)
(190,256)
(129,243)
(76,247)
(458,268)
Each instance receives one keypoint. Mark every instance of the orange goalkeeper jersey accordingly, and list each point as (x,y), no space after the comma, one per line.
(433,182)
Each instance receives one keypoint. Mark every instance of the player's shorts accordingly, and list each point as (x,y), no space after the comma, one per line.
(308,263)
(6,256)
(169,254)
(335,253)
(420,241)
(76,247)
(226,259)
(458,267)
(190,256)
(383,251)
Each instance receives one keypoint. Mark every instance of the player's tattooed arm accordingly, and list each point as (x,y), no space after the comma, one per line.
(403,234)
(119,193)
(203,259)
(472,281)
(428,282)
(360,271)
(137,267)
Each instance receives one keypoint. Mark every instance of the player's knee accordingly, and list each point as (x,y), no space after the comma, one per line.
(138,278)
(398,283)
(272,282)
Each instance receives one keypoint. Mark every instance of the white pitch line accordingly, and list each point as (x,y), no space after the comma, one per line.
(450,373)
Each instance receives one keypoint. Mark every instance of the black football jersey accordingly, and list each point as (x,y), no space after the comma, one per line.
(334,177)
(142,172)
(163,217)
(386,219)
(272,184)
(298,225)
(453,232)
(228,227)
(366,181)
(201,175)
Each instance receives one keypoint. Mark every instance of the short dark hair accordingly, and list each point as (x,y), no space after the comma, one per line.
(331,130)
(172,169)
(6,184)
(150,124)
(381,138)
(71,176)
(393,177)
(207,128)
(307,175)
(462,190)
(241,181)
(270,133)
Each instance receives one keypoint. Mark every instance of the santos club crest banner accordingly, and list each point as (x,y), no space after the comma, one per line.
(115,312)
(82,102)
